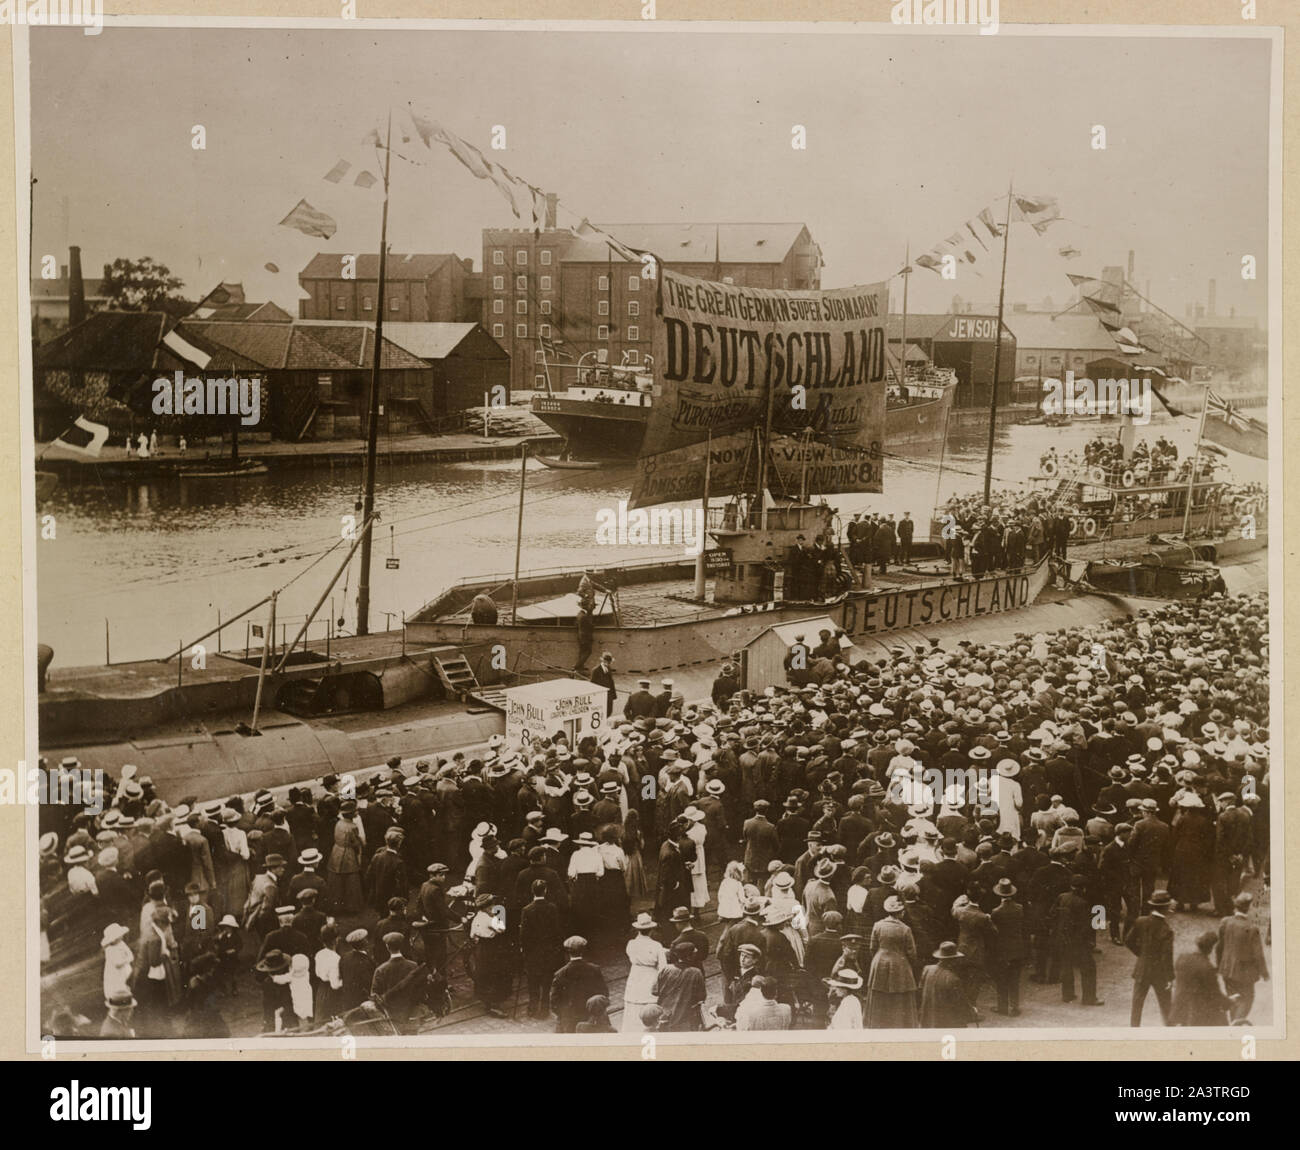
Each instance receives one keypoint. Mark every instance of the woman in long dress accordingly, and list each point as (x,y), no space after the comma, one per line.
(699,874)
(118,960)
(648,958)
(891,983)
(632,842)
(343,883)
(1193,852)
(232,868)
(612,885)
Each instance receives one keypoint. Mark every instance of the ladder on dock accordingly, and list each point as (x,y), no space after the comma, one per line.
(460,682)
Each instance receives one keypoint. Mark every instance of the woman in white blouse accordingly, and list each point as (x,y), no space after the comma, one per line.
(648,958)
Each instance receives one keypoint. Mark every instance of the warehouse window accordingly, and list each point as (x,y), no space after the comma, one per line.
(544,330)
(633,334)
(539,382)
(521,257)
(521,283)
(602,308)
(498,306)
(397,303)
(342,304)
(498,257)
(546,307)
(634,356)
(633,307)
(498,283)
(521,307)
(546,256)
(602,284)
(539,357)
(602,332)
(365,303)
(499,330)
(633,283)
(521,330)
(546,283)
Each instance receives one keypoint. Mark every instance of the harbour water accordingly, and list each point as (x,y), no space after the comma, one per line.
(158,561)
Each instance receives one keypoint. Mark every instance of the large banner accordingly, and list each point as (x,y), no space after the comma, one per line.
(723,353)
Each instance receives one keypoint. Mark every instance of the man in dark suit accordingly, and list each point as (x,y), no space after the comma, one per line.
(396,984)
(286,937)
(1074,939)
(356,971)
(762,843)
(1118,887)
(746,930)
(906,529)
(640,705)
(1233,838)
(603,676)
(575,982)
(1010,947)
(674,886)
(386,874)
(1149,849)
(309,920)
(681,920)
(664,699)
(541,944)
(1151,938)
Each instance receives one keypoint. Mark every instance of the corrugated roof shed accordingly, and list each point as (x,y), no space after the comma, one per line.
(428,340)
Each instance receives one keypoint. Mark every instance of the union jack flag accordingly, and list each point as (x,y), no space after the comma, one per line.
(1243,433)
(1221,409)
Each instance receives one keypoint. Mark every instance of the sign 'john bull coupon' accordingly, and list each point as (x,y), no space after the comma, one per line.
(808,364)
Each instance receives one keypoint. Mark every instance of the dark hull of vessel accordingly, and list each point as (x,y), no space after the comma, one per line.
(611,431)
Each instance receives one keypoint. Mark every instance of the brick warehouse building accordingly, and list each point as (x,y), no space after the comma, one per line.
(575,292)
(417,289)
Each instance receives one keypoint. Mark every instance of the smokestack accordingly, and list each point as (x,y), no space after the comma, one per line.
(1209,308)
(76,288)
(552,202)
(1130,265)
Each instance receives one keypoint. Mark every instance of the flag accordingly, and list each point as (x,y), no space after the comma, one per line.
(986,218)
(928,261)
(365,180)
(187,351)
(1169,407)
(970,227)
(258,631)
(1069,252)
(1037,211)
(1226,425)
(1079,281)
(84,437)
(310,221)
(338,171)
(271,268)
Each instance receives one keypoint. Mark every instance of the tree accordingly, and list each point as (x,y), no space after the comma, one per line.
(139,285)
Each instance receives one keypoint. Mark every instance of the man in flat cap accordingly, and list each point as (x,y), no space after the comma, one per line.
(575,982)
(397,983)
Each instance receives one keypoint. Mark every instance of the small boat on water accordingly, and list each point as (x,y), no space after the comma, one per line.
(222,470)
(559,464)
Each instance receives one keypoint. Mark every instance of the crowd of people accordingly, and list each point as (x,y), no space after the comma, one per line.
(894,846)
(1009,532)
(1149,462)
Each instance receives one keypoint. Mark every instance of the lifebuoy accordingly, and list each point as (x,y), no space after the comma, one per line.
(1074,525)
(1049,468)
(1090,526)
(1097,476)
(1128,478)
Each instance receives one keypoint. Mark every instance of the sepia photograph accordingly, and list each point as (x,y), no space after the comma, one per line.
(541,532)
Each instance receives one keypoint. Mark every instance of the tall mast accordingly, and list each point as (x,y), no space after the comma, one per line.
(902,351)
(1196,458)
(372,421)
(997,356)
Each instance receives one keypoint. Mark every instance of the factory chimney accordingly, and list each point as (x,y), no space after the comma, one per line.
(552,202)
(1210,303)
(76,288)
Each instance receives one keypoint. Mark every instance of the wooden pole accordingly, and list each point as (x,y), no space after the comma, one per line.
(266,652)
(997,356)
(519,531)
(700,570)
(372,425)
(1196,456)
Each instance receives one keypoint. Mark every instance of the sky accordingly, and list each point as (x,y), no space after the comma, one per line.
(908,136)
